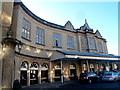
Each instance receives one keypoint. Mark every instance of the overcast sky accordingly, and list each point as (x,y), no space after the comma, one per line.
(102,16)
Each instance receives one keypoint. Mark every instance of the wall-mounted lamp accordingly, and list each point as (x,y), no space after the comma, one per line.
(20,44)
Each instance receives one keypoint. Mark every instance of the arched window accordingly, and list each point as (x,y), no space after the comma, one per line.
(73,66)
(103,67)
(24,66)
(44,67)
(115,66)
(33,73)
(34,66)
(91,67)
(58,66)
(23,73)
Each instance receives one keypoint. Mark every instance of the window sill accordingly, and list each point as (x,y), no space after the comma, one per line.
(56,47)
(40,44)
(92,49)
(101,52)
(26,39)
(71,48)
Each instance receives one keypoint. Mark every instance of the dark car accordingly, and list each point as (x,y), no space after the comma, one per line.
(100,74)
(89,77)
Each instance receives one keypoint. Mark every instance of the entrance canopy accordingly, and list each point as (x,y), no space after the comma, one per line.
(61,54)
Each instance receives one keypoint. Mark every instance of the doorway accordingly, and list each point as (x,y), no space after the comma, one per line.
(23,74)
(73,72)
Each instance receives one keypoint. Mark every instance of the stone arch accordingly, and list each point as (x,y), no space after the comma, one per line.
(44,72)
(115,66)
(91,67)
(34,66)
(103,67)
(57,71)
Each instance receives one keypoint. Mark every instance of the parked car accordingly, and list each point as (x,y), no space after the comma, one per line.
(89,77)
(100,74)
(111,76)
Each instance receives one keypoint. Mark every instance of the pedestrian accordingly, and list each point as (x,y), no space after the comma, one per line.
(16,85)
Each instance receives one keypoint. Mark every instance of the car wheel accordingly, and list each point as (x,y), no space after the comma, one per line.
(89,81)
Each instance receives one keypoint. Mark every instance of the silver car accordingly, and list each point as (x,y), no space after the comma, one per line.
(111,76)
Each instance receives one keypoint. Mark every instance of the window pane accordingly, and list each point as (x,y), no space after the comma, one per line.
(56,40)
(91,43)
(26,29)
(37,39)
(100,49)
(70,41)
(40,35)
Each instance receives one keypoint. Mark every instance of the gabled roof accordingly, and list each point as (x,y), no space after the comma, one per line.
(97,33)
(69,26)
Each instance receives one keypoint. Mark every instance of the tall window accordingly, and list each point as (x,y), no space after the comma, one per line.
(40,34)
(26,26)
(70,42)
(100,48)
(91,43)
(56,40)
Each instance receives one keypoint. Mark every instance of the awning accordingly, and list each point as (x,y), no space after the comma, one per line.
(61,54)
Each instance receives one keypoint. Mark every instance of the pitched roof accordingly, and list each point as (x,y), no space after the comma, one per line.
(69,26)
(97,33)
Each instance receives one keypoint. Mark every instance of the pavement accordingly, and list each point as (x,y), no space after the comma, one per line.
(50,85)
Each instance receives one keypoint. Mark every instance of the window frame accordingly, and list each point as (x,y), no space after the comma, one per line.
(100,47)
(59,43)
(70,44)
(41,37)
(26,30)
(90,43)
